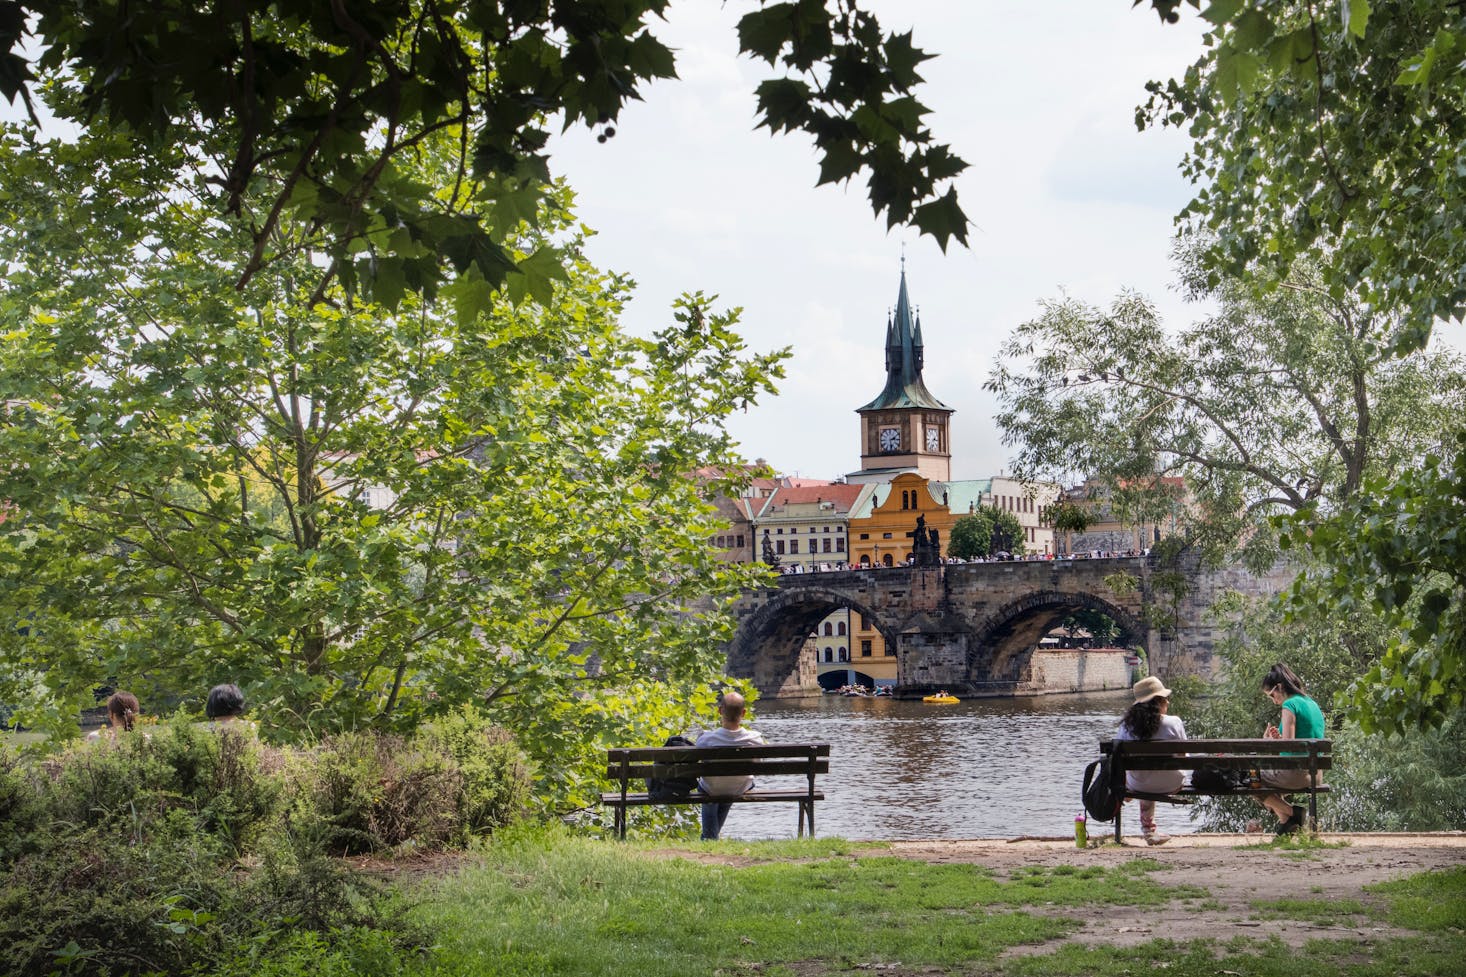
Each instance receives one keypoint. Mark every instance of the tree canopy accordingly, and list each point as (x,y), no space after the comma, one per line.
(1331,128)
(1279,401)
(314,113)
(364,516)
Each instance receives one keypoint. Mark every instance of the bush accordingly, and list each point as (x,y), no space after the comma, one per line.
(94,903)
(125,857)
(495,776)
(20,809)
(365,792)
(228,783)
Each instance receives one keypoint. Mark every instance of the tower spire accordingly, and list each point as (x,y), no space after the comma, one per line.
(905,357)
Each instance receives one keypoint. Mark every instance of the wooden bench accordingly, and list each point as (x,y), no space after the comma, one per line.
(629,767)
(1247,756)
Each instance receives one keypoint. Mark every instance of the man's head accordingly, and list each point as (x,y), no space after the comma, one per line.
(730,708)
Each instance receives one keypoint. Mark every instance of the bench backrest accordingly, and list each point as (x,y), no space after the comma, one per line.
(801,759)
(1265,754)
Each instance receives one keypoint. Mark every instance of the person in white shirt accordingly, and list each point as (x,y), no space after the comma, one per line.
(1146,719)
(731,733)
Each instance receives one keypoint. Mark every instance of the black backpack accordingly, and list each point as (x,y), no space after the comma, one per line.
(671,788)
(1101,800)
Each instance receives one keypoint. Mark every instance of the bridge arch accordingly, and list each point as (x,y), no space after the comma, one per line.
(769,647)
(1004,641)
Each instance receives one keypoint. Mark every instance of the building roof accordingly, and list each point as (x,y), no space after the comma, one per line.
(905,356)
(841,497)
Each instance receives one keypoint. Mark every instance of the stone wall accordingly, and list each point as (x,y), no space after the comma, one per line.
(1076,670)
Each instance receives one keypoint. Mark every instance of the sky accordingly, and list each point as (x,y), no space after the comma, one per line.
(1066,197)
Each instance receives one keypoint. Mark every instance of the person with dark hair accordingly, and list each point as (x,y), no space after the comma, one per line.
(1147,719)
(1300,719)
(225,704)
(122,713)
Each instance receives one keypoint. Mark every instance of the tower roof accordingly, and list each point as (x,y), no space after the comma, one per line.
(905,356)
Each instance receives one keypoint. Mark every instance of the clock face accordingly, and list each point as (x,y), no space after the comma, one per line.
(933,439)
(890,439)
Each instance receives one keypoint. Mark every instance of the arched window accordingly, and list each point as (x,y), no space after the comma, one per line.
(888,561)
(844,656)
(840,628)
(829,654)
(865,559)
(829,629)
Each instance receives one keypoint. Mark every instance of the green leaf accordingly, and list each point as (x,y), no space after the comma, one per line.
(1220,12)
(1356,16)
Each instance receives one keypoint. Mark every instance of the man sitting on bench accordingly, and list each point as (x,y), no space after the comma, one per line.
(731,733)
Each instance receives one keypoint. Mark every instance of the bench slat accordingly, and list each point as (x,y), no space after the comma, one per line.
(722,768)
(698,797)
(1132,748)
(647,754)
(1261,762)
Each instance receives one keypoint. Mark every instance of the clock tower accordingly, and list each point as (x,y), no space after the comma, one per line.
(905,428)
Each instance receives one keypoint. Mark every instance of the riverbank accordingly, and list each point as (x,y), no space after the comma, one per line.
(1204,904)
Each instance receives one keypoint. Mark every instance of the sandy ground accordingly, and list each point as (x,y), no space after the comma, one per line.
(1236,871)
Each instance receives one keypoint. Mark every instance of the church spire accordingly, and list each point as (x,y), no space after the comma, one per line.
(905,357)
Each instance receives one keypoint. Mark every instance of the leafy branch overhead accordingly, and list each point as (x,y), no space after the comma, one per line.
(1330,127)
(313,114)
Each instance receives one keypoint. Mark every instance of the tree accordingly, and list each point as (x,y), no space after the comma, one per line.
(363,516)
(1398,551)
(313,114)
(1276,403)
(1007,531)
(971,537)
(1330,128)
(1341,135)
(1068,517)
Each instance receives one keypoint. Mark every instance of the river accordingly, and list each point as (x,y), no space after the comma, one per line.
(984,768)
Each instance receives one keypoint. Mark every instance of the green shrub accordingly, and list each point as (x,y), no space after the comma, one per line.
(20,808)
(365,792)
(495,776)
(227,782)
(91,903)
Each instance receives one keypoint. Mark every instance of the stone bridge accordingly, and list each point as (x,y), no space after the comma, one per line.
(972,628)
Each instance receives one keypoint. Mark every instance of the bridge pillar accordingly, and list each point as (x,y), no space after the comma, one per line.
(929,661)
(800,682)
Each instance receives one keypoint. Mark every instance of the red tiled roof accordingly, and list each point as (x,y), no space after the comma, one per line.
(843,496)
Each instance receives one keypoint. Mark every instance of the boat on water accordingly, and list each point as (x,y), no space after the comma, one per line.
(941,700)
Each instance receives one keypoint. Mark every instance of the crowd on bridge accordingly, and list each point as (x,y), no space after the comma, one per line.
(842,565)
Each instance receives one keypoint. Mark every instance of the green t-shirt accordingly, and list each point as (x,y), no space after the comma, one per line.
(1307,717)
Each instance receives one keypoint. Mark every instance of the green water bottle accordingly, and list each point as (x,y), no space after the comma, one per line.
(1081,831)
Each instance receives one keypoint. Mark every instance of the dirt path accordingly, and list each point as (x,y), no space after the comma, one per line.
(1236,872)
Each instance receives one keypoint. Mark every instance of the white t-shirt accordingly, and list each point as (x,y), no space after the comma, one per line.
(727,786)
(1156,781)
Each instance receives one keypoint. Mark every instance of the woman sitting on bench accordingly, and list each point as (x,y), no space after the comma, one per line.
(1300,719)
(1146,719)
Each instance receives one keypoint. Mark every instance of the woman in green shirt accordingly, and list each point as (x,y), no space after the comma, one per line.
(1300,719)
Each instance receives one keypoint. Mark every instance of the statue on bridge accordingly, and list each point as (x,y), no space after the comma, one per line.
(768,551)
(925,546)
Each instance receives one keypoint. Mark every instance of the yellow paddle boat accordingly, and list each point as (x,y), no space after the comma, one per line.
(941,699)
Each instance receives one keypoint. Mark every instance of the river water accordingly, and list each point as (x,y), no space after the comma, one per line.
(984,768)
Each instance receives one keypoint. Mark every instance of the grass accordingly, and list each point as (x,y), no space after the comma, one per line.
(1434,902)
(547,903)
(585,907)
(1327,911)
